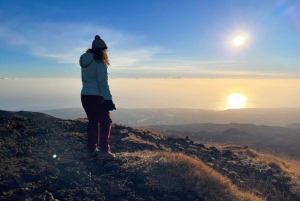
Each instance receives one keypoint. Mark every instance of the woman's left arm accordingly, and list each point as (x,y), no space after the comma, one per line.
(102,74)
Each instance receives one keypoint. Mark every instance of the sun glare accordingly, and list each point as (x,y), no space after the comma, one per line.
(236,101)
(239,40)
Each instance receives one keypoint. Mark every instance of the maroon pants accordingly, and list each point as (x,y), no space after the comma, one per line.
(99,126)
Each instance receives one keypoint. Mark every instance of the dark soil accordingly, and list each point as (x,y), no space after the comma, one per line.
(48,160)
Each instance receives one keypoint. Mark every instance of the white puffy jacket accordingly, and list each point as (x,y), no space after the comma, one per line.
(94,76)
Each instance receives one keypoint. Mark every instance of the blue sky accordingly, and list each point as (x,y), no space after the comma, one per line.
(157,38)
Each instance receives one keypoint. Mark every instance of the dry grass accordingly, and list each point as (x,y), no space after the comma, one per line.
(136,139)
(154,133)
(286,164)
(174,172)
(280,162)
(218,146)
(251,153)
(83,120)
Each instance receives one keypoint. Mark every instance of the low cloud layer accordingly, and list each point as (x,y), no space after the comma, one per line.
(43,94)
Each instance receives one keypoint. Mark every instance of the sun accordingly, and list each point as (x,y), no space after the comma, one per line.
(239,40)
(236,101)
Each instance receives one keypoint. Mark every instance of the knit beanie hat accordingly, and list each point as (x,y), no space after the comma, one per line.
(98,43)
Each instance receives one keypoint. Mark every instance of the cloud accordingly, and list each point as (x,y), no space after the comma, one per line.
(11,37)
(193,72)
(65,42)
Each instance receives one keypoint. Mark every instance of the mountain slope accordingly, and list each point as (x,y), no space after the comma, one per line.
(48,160)
(27,114)
(294,125)
(271,139)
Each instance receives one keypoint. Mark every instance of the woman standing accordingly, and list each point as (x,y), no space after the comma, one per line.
(96,98)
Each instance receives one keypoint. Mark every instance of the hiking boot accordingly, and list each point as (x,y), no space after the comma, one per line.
(105,155)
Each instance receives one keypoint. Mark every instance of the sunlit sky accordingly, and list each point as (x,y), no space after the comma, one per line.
(150,39)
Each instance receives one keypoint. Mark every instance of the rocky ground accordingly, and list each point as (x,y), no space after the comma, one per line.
(48,160)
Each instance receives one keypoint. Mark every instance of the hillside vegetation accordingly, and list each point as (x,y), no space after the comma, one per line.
(47,160)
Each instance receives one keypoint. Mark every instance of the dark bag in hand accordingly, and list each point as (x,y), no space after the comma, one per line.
(108,105)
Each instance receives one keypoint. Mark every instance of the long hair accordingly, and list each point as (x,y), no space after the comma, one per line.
(99,55)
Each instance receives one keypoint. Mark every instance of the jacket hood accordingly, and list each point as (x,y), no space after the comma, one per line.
(86,59)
